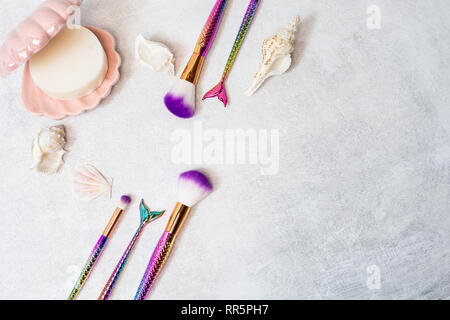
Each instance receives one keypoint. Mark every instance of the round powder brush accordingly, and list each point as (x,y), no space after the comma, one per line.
(193,186)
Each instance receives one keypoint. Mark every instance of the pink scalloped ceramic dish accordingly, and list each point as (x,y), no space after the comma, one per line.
(39,103)
(35,32)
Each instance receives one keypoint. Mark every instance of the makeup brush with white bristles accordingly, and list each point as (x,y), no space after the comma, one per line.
(181,99)
(193,186)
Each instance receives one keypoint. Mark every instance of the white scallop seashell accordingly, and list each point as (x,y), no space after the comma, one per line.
(88,183)
(277,52)
(155,55)
(48,150)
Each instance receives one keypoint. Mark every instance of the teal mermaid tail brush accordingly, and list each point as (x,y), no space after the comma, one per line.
(147,217)
(219,90)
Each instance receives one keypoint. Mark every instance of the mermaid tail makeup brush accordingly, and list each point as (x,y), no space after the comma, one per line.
(100,246)
(219,90)
(146,218)
(181,99)
(193,186)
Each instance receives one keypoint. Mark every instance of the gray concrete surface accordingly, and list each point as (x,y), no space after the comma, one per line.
(359,208)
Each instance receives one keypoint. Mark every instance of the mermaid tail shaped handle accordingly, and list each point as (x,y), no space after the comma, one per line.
(219,92)
(146,216)
(107,290)
(159,257)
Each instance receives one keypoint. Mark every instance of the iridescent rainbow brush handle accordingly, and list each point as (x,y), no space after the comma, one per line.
(90,264)
(219,90)
(193,69)
(210,29)
(100,246)
(108,289)
(163,248)
(159,257)
(248,18)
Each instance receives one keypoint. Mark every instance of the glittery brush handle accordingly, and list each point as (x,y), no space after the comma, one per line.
(219,90)
(146,217)
(195,65)
(248,18)
(90,264)
(108,289)
(159,257)
(210,29)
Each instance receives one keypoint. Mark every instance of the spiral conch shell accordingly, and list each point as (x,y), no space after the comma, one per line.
(277,52)
(48,150)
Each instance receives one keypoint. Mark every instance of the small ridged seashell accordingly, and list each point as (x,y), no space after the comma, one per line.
(48,150)
(88,183)
(277,52)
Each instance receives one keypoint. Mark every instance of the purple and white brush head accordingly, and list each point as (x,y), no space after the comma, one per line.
(193,186)
(181,99)
(124,202)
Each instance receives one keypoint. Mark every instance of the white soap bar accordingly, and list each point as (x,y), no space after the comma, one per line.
(71,66)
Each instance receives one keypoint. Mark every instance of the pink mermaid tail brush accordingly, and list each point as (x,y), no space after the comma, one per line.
(219,90)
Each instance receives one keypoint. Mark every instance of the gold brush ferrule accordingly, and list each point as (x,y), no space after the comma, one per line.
(192,71)
(113,222)
(176,221)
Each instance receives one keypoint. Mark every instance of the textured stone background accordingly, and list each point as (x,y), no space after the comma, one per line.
(364,171)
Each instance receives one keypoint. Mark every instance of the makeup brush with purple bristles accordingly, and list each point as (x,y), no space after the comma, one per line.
(181,99)
(193,186)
